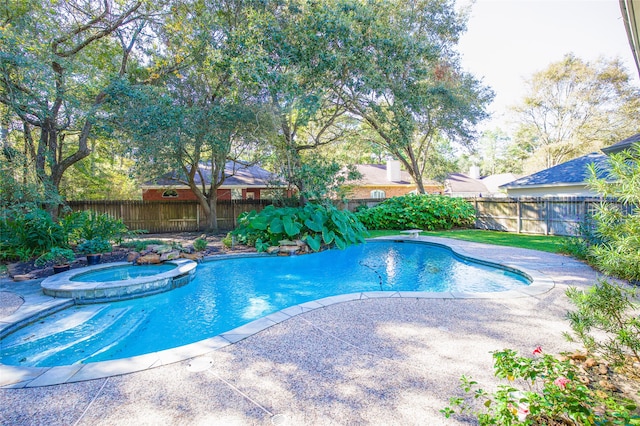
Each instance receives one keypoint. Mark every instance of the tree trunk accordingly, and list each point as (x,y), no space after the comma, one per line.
(212,218)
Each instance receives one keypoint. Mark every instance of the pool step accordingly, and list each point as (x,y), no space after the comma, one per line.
(73,343)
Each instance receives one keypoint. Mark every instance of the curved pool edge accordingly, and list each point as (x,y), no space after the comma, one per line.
(15,377)
(85,292)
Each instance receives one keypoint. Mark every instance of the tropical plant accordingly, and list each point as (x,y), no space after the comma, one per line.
(315,224)
(24,235)
(551,393)
(56,256)
(427,212)
(95,245)
(87,225)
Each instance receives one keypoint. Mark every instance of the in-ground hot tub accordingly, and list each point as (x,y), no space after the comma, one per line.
(119,281)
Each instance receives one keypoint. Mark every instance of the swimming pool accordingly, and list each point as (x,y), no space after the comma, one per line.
(229,293)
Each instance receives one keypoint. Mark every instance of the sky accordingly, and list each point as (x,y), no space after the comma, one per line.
(507,41)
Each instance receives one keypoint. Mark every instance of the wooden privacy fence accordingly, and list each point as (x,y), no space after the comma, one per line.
(169,216)
(543,216)
(546,216)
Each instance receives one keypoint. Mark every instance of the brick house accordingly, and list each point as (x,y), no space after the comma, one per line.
(242,183)
(386,181)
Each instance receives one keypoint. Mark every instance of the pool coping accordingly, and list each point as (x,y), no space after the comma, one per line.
(62,285)
(15,377)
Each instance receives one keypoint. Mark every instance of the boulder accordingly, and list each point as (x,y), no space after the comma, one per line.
(133,256)
(174,254)
(149,259)
(273,250)
(192,256)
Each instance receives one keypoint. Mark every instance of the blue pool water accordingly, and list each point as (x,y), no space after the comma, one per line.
(122,273)
(228,293)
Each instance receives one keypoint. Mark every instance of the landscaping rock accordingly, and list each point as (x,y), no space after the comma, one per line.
(273,250)
(192,256)
(133,256)
(174,254)
(149,259)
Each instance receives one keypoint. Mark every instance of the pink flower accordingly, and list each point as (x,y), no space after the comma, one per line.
(561,382)
(537,351)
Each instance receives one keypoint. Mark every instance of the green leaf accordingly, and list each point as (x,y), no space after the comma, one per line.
(314,242)
(291,228)
(328,236)
(276,226)
(260,223)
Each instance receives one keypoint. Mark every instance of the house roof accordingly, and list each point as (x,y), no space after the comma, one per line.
(568,173)
(237,175)
(494,182)
(376,175)
(622,145)
(459,183)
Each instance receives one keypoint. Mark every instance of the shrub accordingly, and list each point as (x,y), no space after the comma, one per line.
(87,225)
(618,226)
(551,394)
(428,212)
(315,224)
(200,244)
(56,256)
(587,237)
(94,246)
(24,235)
(609,310)
(227,241)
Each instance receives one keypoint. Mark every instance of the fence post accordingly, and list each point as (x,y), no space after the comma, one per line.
(546,219)
(518,216)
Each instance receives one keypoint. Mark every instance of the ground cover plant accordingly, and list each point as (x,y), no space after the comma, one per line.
(427,212)
(316,224)
(548,243)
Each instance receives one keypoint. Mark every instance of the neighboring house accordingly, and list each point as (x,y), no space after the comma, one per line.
(567,179)
(622,145)
(386,181)
(242,183)
(472,185)
(461,185)
(564,180)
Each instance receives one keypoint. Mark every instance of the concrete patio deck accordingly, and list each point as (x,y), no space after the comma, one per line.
(368,361)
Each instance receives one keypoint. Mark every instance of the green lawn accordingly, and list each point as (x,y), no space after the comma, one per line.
(548,243)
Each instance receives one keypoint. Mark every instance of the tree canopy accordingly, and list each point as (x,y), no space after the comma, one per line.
(574,107)
(172,85)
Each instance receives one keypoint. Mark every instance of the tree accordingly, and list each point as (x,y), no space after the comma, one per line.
(574,107)
(293,78)
(408,87)
(493,148)
(192,125)
(58,60)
